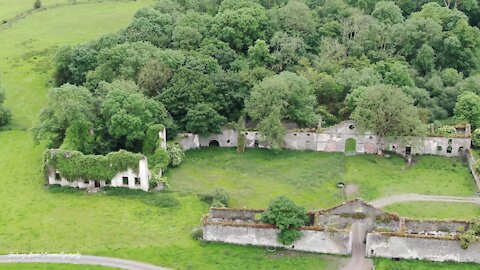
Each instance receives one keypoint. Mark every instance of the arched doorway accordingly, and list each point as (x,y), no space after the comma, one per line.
(214,143)
(350,146)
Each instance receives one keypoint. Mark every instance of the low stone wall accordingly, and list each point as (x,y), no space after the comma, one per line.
(310,241)
(434,226)
(423,248)
(471,163)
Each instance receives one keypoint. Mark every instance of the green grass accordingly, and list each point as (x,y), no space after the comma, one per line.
(387,264)
(436,210)
(310,178)
(51,266)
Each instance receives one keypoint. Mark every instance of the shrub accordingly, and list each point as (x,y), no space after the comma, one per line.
(155,180)
(446,130)
(61,189)
(5,116)
(37,4)
(176,154)
(162,200)
(158,161)
(477,167)
(287,216)
(471,236)
(151,140)
(476,137)
(287,237)
(197,233)
(219,197)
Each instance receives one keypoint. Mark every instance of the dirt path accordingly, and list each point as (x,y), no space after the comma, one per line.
(358,260)
(79,259)
(419,197)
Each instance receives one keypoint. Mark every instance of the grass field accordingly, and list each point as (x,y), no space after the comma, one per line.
(436,210)
(50,266)
(310,178)
(34,219)
(386,264)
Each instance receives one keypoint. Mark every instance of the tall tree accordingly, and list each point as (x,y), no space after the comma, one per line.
(467,108)
(386,111)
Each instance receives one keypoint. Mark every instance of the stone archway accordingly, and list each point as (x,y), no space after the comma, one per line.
(214,143)
(350,146)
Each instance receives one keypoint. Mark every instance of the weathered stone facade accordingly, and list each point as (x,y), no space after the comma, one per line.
(388,235)
(334,139)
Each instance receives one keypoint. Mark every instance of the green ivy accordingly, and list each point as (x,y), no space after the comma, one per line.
(151,141)
(74,165)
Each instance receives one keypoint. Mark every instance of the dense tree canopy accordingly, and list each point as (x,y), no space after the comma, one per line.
(207,62)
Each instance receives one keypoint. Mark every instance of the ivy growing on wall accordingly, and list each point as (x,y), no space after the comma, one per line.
(74,165)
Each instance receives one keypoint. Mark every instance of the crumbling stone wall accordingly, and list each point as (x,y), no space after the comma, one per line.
(423,248)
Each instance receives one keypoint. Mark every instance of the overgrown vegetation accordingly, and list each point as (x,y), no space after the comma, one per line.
(5,114)
(470,236)
(74,165)
(286,216)
(218,198)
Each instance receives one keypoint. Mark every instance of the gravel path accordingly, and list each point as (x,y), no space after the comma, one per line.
(78,259)
(358,260)
(419,197)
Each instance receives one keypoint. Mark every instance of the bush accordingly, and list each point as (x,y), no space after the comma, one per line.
(471,236)
(162,200)
(197,233)
(219,197)
(60,189)
(476,137)
(287,216)
(5,116)
(176,154)
(151,140)
(446,130)
(158,161)
(287,237)
(37,4)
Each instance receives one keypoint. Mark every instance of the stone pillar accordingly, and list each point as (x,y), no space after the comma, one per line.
(162,136)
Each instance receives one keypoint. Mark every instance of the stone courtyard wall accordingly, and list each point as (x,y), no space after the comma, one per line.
(423,248)
(471,164)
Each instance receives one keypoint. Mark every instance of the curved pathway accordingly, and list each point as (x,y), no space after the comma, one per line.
(419,197)
(78,259)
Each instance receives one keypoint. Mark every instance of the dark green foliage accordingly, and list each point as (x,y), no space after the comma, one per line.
(218,196)
(74,165)
(176,154)
(151,141)
(159,160)
(287,216)
(162,200)
(204,120)
(80,137)
(60,189)
(37,4)
(287,237)
(5,114)
(472,235)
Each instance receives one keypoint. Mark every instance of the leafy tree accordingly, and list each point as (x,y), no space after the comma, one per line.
(241,27)
(80,137)
(128,114)
(451,76)
(204,120)
(388,12)
(186,38)
(387,111)
(467,108)
(218,50)
(151,141)
(272,129)
(259,54)
(287,216)
(66,105)
(150,25)
(153,77)
(425,59)
(399,75)
(287,50)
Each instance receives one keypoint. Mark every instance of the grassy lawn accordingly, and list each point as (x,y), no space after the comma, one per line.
(50,266)
(387,264)
(310,178)
(436,210)
(34,219)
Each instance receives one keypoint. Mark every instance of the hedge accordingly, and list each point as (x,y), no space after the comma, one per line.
(74,165)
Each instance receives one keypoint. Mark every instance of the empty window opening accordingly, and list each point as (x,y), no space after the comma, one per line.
(58,177)
(295,134)
(86,182)
(449,150)
(351,127)
(408,150)
(108,183)
(308,134)
(214,143)
(449,141)
(255,144)
(137,180)
(228,141)
(439,148)
(461,149)
(125,181)
(246,133)
(97,184)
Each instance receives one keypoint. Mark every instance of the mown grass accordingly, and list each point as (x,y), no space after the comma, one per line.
(51,266)
(387,264)
(310,178)
(436,210)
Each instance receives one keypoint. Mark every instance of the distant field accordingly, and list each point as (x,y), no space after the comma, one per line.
(9,8)
(310,178)
(387,264)
(436,210)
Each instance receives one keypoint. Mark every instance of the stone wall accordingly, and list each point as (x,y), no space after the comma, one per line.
(310,241)
(334,139)
(135,180)
(433,249)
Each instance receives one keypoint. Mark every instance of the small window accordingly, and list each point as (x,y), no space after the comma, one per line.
(86,182)
(137,180)
(295,134)
(408,150)
(308,134)
(449,141)
(461,149)
(228,141)
(246,133)
(255,144)
(58,177)
(351,127)
(439,148)
(370,137)
(108,182)
(449,150)
(125,181)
